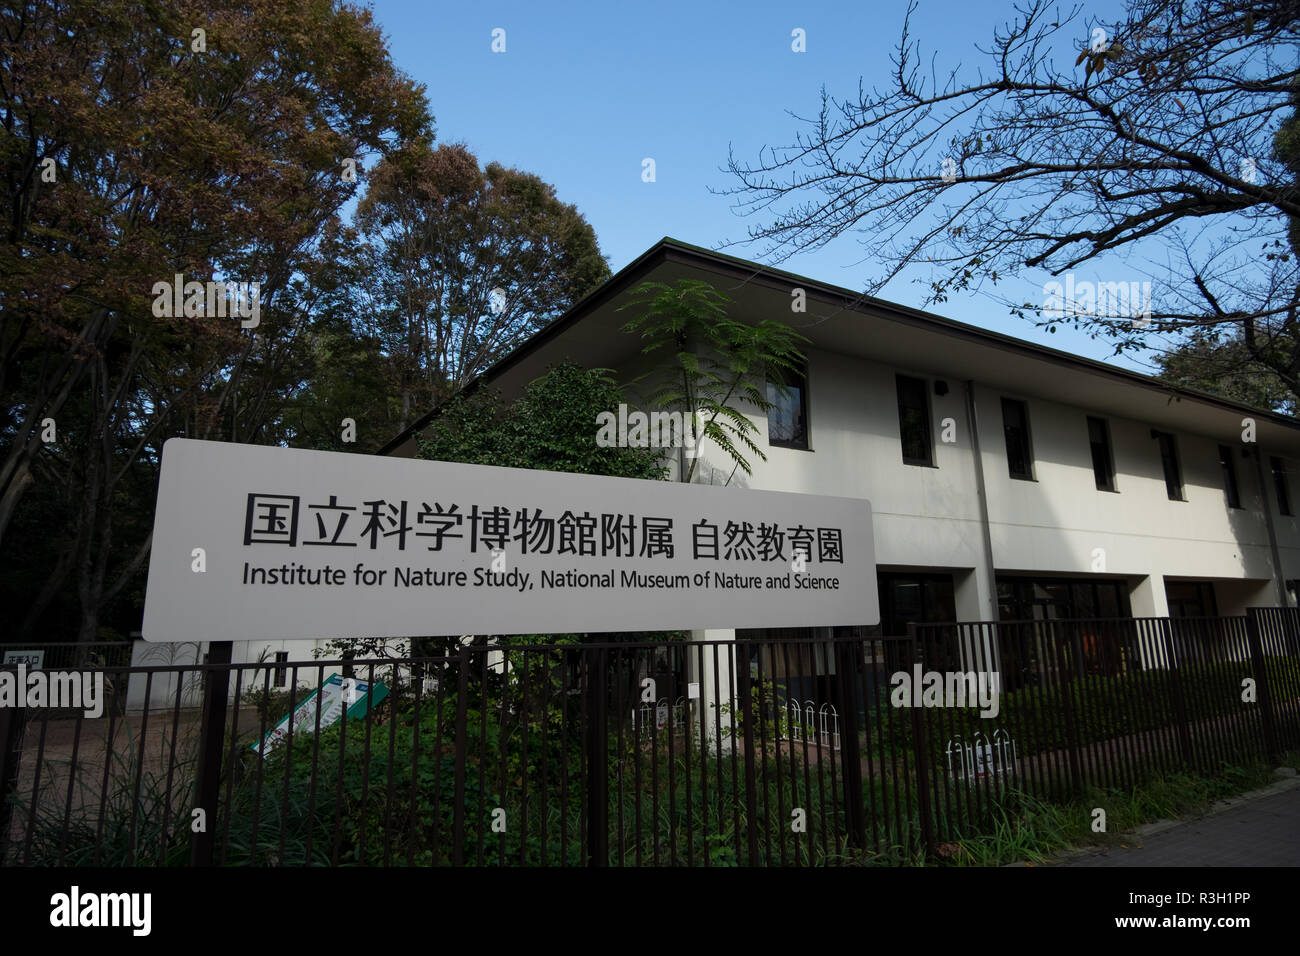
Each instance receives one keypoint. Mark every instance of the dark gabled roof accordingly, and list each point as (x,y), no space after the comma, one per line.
(669,250)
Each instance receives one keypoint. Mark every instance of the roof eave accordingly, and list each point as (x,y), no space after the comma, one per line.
(668,249)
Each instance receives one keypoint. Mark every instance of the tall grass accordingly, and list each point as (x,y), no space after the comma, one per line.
(1031,830)
(123,813)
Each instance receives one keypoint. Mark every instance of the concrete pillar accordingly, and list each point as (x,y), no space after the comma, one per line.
(973,595)
(1148,597)
(718,701)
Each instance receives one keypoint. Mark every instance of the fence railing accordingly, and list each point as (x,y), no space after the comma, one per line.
(651,719)
(982,756)
(1106,703)
(808,721)
(772,752)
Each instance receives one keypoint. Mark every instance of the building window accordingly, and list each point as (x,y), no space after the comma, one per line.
(1191,599)
(1229,477)
(1279,483)
(787,419)
(1103,465)
(1051,599)
(1169,460)
(914,421)
(1037,654)
(907,598)
(1015,425)
(281,670)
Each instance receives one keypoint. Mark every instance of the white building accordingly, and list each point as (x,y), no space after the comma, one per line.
(1007,480)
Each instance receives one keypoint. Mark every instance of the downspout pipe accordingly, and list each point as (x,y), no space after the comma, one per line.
(1268,522)
(982,494)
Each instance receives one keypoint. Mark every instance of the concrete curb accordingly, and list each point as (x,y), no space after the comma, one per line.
(1288,780)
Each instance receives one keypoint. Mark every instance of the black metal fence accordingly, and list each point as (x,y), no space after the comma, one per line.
(1103,704)
(785,752)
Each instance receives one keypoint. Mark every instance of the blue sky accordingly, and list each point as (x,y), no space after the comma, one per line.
(586,91)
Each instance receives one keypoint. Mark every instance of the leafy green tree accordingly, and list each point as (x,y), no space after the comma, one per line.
(1222,365)
(136,148)
(551,426)
(339,370)
(459,264)
(707,366)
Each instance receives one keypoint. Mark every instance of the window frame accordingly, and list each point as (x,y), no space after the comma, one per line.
(1203,597)
(1028,438)
(1015,593)
(937,599)
(1109,452)
(799,380)
(1172,440)
(1281,487)
(1231,487)
(927,432)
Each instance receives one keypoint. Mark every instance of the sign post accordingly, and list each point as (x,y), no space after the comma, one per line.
(207,784)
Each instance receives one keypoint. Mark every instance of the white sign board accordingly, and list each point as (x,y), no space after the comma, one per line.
(256,542)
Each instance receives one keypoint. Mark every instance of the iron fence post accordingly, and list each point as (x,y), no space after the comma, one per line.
(597,756)
(1265,695)
(12,722)
(462,707)
(921,747)
(1176,692)
(1291,629)
(212,732)
(747,737)
(846,669)
(1065,674)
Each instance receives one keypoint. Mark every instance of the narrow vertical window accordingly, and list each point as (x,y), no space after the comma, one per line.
(1229,477)
(787,419)
(1169,461)
(281,671)
(1103,464)
(1280,485)
(914,421)
(1015,425)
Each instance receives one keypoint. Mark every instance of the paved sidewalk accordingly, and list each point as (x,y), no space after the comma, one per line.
(1259,831)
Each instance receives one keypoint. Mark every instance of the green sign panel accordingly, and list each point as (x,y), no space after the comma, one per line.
(331,698)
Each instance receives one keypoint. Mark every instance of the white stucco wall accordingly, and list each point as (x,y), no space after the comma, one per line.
(160,690)
(929,517)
